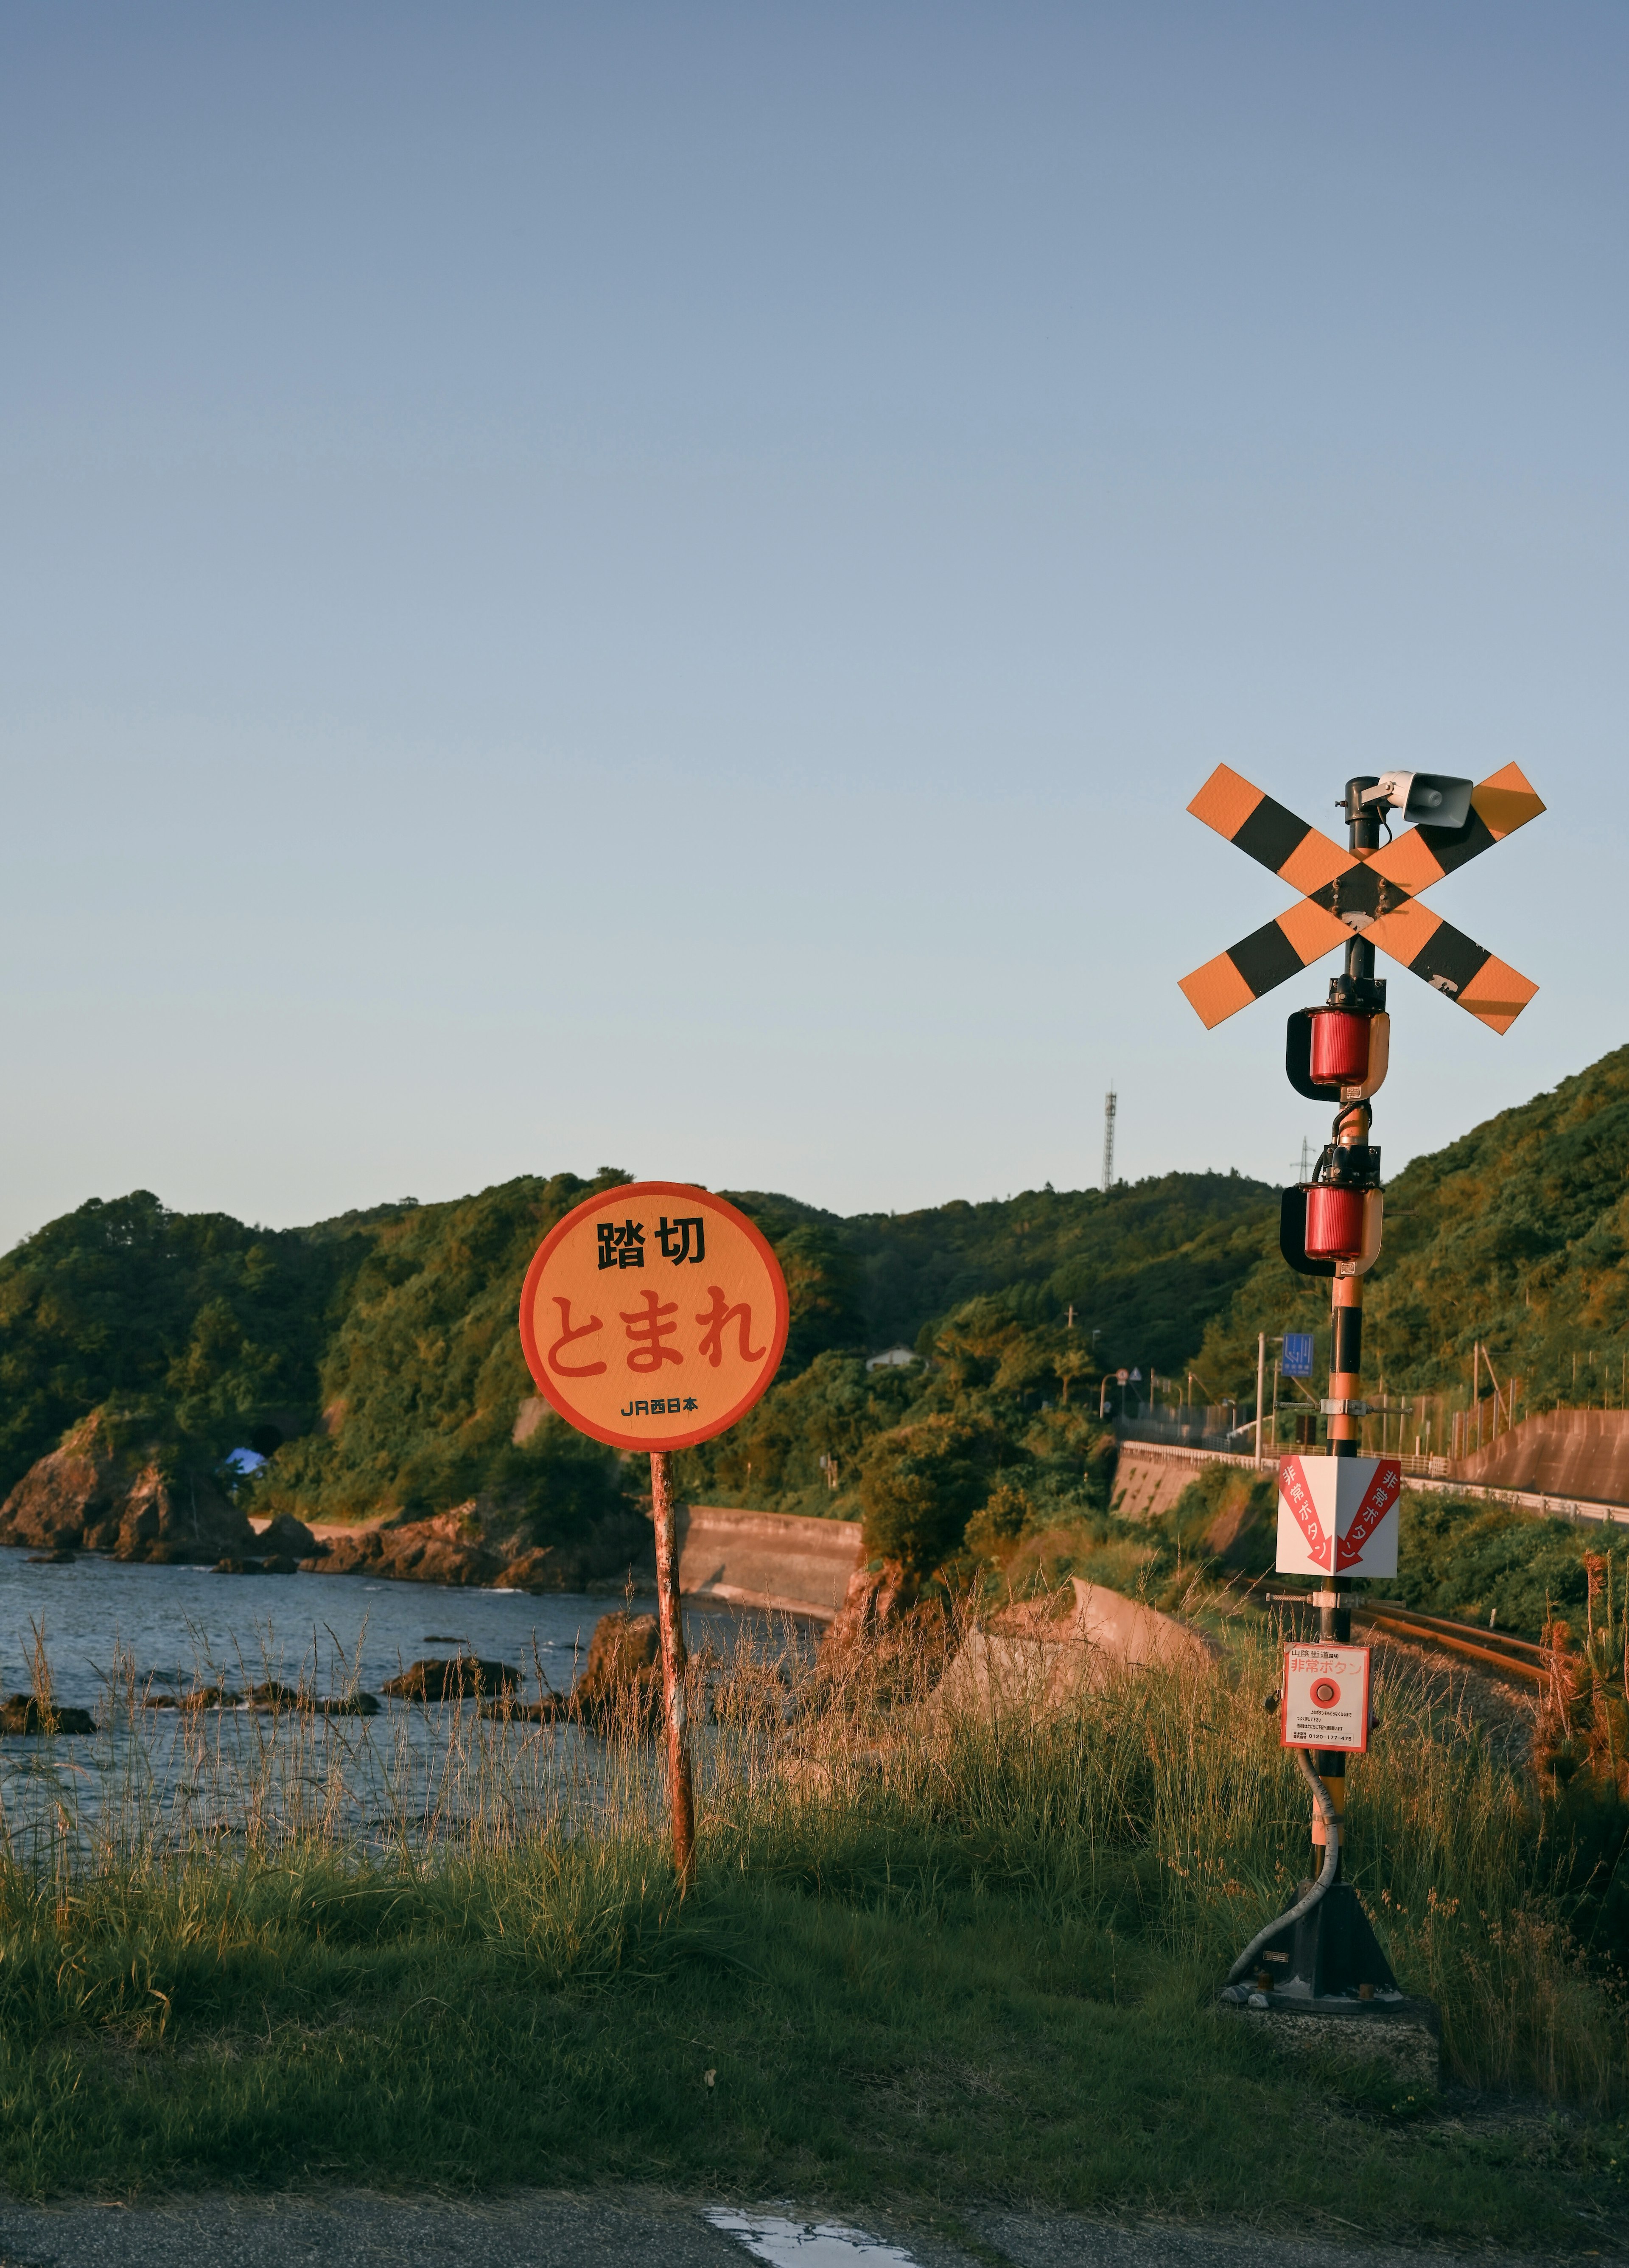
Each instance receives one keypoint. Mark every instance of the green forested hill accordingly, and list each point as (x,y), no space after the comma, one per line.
(201,1329)
(1515,1234)
(381,1351)
(1139,1266)
(378,1355)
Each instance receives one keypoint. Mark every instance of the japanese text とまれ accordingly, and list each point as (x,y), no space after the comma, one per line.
(593,1353)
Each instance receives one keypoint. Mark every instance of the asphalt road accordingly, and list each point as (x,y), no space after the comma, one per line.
(353,2229)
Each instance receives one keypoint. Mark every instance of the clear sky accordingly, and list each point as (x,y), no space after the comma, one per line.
(649,584)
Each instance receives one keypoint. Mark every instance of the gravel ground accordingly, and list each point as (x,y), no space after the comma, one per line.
(353,2229)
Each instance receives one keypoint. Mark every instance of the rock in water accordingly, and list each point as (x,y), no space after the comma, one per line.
(289,1538)
(20,1712)
(535,1569)
(95,1495)
(460,1678)
(620,1685)
(448,1548)
(623,1673)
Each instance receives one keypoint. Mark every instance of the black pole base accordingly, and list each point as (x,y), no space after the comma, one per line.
(1330,1952)
(1322,1986)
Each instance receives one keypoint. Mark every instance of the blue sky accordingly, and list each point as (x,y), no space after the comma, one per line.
(648,586)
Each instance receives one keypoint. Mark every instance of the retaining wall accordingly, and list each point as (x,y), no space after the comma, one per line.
(781,1560)
(1582,1454)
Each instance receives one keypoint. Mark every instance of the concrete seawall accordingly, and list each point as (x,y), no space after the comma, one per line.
(780,1561)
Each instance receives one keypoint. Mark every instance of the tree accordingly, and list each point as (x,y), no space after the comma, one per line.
(920,1485)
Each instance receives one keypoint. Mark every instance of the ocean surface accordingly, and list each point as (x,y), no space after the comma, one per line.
(176,1626)
(117,1637)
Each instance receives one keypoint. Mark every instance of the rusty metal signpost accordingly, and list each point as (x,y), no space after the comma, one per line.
(1339,1520)
(653,1317)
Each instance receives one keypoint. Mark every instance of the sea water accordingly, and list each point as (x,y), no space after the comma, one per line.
(120,1637)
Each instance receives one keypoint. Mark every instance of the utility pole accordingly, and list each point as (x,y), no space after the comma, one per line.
(1111,1106)
(1261,1386)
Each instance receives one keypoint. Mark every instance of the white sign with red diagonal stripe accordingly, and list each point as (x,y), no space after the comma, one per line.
(1338,1515)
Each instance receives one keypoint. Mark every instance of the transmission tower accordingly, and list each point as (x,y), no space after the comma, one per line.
(1110,1106)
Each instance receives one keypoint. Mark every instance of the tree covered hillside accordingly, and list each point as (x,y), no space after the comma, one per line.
(1139,1265)
(377,1357)
(1516,1234)
(199,1331)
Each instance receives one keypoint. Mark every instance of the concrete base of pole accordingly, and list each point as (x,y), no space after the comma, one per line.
(1404,2035)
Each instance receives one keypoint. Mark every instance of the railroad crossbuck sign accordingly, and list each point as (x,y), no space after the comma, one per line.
(1376,896)
(1338,1515)
(1326,1700)
(654,1315)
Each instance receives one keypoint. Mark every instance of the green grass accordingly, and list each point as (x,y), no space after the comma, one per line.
(929,1963)
(899,2036)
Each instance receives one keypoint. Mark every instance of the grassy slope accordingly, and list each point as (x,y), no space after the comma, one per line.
(1144,1266)
(974,1962)
(911,2040)
(422,1371)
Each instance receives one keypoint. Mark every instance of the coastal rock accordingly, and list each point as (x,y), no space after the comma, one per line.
(624,1654)
(448,1548)
(92,1495)
(461,1677)
(620,1686)
(78,1486)
(21,1712)
(286,1537)
(537,1570)
(474,1545)
(876,1600)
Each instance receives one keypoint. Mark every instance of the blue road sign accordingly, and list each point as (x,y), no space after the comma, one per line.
(1297,1354)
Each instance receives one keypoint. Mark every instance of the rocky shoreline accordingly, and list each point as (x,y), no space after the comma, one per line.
(94,1495)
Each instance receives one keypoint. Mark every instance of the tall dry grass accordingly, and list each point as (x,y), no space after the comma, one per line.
(1154,1805)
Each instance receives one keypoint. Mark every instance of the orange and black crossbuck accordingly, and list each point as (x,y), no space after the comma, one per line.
(1373,894)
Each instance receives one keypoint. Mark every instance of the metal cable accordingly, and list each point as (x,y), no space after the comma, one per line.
(1331,1862)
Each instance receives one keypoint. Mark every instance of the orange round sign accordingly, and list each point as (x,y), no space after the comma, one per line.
(654,1315)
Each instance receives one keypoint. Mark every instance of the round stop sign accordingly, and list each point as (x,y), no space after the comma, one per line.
(654,1315)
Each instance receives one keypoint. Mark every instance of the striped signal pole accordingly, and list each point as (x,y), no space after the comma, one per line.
(1363,898)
